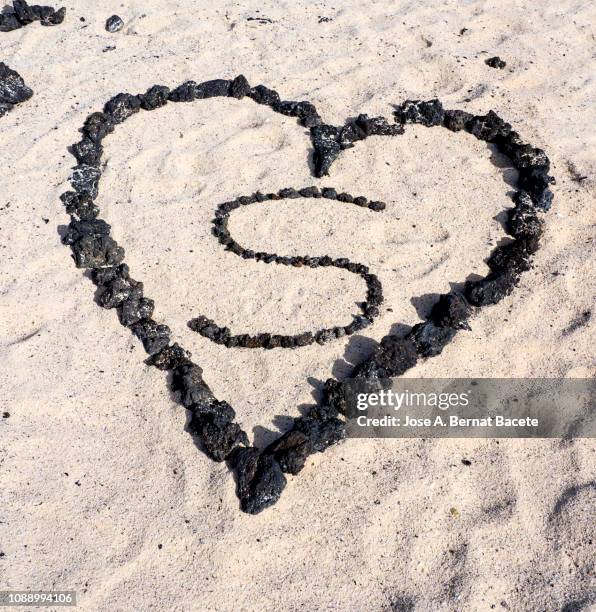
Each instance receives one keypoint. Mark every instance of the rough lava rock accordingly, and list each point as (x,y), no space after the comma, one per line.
(427,113)
(12,89)
(325,140)
(260,480)
(114,24)
(495,62)
(23,14)
(212,422)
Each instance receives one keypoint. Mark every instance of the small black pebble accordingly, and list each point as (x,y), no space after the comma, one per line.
(114,24)
(495,62)
(466,462)
(5,415)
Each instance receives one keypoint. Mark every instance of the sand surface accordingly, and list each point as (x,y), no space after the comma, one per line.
(103,492)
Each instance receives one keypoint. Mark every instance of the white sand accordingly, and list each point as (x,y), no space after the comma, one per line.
(96,468)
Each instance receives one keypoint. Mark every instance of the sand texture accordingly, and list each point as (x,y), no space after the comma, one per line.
(102,489)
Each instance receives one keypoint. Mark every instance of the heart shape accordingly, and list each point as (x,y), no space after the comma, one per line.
(260,473)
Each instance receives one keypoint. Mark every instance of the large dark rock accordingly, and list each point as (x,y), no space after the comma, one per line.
(430,339)
(22,14)
(214,88)
(451,310)
(169,357)
(239,87)
(135,309)
(12,89)
(291,451)
(523,221)
(489,127)
(98,126)
(188,379)
(120,290)
(80,206)
(77,229)
(213,424)
(87,152)
(394,356)
(456,120)
(85,180)
(155,337)
(260,479)
(263,95)
(427,113)
(155,97)
(97,252)
(490,290)
(327,148)
(122,106)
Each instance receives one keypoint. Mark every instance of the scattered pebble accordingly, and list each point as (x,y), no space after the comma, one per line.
(114,24)
(495,62)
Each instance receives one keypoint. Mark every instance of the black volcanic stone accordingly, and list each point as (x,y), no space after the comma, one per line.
(9,22)
(114,24)
(104,276)
(188,379)
(87,151)
(427,113)
(260,480)
(239,87)
(489,127)
(121,107)
(430,339)
(451,310)
(321,433)
(85,180)
(334,395)
(491,289)
(135,309)
(155,97)
(97,252)
(536,183)
(456,120)
(495,62)
(187,92)
(80,206)
(154,337)
(263,95)
(77,229)
(120,290)
(98,126)
(213,424)
(394,356)
(327,148)
(290,451)
(364,126)
(523,221)
(310,192)
(305,111)
(169,357)
(12,89)
(512,257)
(22,14)
(211,89)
